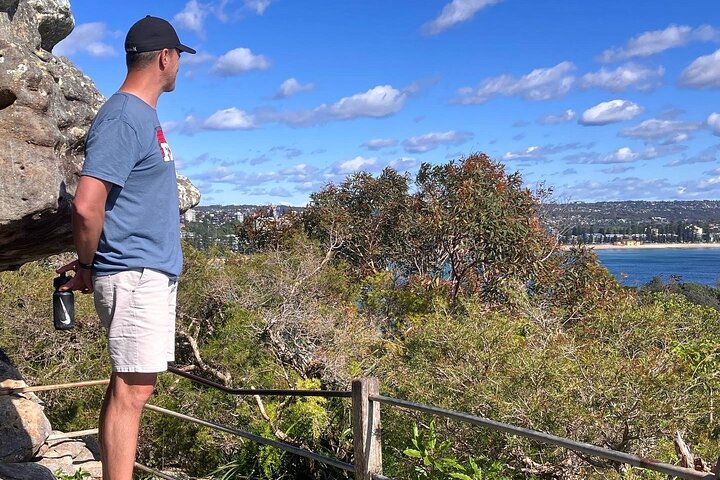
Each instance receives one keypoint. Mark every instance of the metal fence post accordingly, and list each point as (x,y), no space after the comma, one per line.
(366,428)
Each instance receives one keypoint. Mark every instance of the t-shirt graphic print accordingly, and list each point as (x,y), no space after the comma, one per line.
(164,147)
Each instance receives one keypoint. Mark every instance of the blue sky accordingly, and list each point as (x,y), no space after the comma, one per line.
(610,100)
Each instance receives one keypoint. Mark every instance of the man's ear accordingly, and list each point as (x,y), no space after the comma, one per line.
(164,57)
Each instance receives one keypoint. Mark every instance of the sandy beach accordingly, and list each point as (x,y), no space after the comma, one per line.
(609,246)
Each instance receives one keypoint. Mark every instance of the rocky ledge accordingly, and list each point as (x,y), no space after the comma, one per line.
(46,106)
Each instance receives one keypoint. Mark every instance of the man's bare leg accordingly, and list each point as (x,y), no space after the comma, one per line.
(102,415)
(120,422)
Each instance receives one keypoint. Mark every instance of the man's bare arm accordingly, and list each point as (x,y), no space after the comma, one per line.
(87,224)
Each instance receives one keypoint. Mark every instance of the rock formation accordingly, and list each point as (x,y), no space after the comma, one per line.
(26,452)
(46,106)
(23,425)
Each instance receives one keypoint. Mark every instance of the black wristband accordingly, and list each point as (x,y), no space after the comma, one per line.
(84,266)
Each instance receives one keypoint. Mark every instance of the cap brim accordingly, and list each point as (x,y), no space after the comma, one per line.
(184,48)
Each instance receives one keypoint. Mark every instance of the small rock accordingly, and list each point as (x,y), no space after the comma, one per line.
(71,454)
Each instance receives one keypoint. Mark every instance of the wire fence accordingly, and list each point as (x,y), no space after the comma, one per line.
(367,441)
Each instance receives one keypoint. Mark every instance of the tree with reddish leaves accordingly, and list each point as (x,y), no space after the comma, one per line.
(361,219)
(478,225)
(468,223)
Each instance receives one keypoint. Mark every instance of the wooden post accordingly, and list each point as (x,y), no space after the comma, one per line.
(366,429)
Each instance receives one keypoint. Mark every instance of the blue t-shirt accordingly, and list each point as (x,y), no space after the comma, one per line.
(126,147)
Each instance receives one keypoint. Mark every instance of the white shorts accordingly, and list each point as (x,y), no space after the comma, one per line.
(137,309)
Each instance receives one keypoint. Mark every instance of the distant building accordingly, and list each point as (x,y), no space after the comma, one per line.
(190,215)
(628,243)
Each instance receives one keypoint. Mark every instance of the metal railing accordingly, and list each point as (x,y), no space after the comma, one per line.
(586,448)
(367,442)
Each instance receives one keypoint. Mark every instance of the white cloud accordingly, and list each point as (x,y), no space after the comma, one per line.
(540,152)
(228,119)
(540,84)
(417,86)
(239,60)
(222,174)
(292,87)
(456,11)
(404,164)
(170,126)
(377,102)
(627,188)
(299,169)
(707,155)
(533,152)
(356,164)
(654,129)
(713,122)
(431,141)
(197,59)
(86,38)
(192,17)
(290,152)
(610,112)
(301,173)
(626,155)
(566,116)
(677,138)
(378,143)
(615,169)
(257,6)
(707,185)
(582,157)
(274,192)
(703,72)
(623,77)
(651,43)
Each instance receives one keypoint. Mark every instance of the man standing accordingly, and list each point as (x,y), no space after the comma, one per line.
(127,234)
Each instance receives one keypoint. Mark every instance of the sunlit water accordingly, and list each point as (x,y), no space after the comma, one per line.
(636,267)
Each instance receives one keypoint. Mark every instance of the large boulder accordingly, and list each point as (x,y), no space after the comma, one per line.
(46,106)
(27,451)
(23,424)
(23,429)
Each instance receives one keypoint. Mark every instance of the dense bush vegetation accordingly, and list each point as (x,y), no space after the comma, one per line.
(450,292)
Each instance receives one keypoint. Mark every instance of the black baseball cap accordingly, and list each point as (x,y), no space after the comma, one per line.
(153,33)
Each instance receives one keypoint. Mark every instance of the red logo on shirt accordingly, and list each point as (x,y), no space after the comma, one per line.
(164,147)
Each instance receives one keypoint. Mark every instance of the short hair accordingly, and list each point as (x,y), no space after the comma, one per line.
(139,60)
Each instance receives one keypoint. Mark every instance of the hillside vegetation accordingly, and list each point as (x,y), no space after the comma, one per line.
(450,291)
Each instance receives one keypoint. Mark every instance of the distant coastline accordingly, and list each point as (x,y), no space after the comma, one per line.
(647,246)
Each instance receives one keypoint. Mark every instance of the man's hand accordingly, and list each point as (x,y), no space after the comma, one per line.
(81,281)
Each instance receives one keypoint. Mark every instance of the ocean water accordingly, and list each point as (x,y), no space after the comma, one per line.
(636,266)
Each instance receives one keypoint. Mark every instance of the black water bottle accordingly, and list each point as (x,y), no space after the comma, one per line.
(63,305)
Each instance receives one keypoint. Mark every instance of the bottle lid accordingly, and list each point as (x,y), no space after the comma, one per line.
(61,280)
